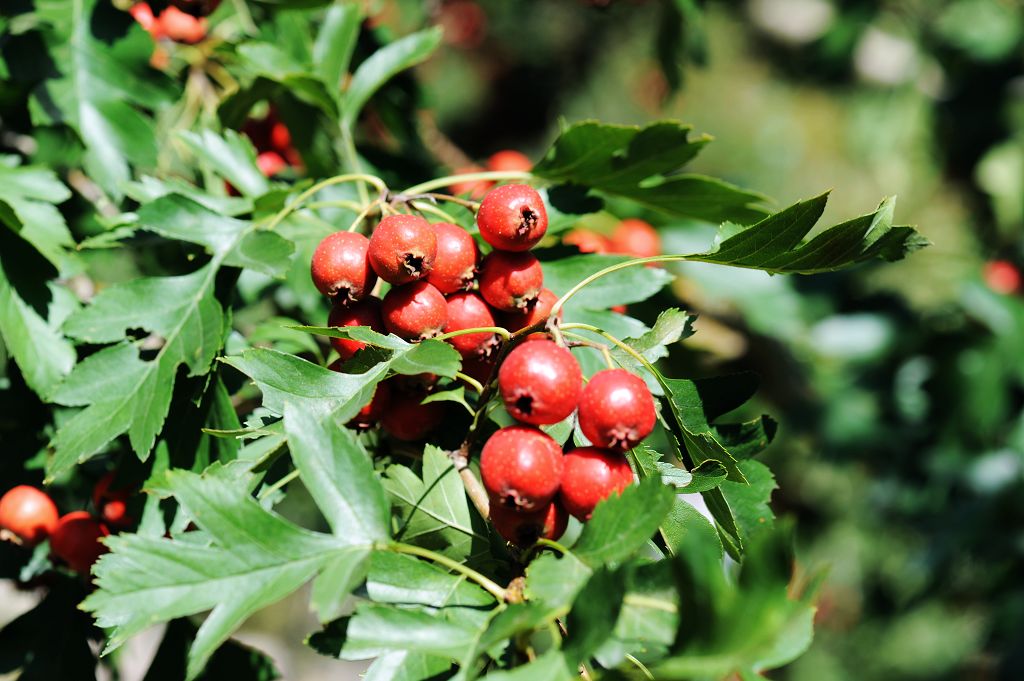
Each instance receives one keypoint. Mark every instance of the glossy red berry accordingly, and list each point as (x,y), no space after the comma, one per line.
(591,475)
(340,267)
(540,382)
(181,27)
(403,249)
(510,281)
(280,137)
(512,217)
(76,540)
(111,504)
(509,159)
(373,410)
(524,529)
(636,237)
(480,368)
(364,313)
(271,163)
(414,311)
(469,311)
(616,409)
(1002,277)
(587,241)
(28,513)
(455,264)
(521,468)
(407,419)
(537,311)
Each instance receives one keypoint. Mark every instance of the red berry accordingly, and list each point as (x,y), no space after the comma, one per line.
(111,504)
(469,311)
(364,313)
(475,189)
(407,419)
(280,137)
(512,217)
(341,269)
(270,163)
(540,382)
(1002,277)
(537,311)
(524,529)
(414,311)
(510,281)
(521,468)
(616,409)
(403,248)
(587,241)
(28,513)
(509,159)
(480,368)
(636,237)
(76,540)
(373,410)
(455,264)
(181,27)
(143,14)
(591,475)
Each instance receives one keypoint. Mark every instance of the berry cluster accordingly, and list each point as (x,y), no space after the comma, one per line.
(29,516)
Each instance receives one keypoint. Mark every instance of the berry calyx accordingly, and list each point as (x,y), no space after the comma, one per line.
(76,540)
(455,264)
(510,281)
(524,529)
(636,237)
(364,313)
(469,311)
(616,409)
(535,312)
(407,419)
(592,475)
(512,217)
(521,468)
(28,513)
(403,249)
(341,267)
(509,159)
(415,311)
(540,382)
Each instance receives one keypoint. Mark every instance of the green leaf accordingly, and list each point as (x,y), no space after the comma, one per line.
(694,431)
(404,580)
(31,195)
(231,660)
(406,666)
(672,326)
(274,63)
(231,156)
(556,580)
(551,666)
(685,526)
(629,285)
(380,629)
(335,42)
(750,503)
(382,65)
(622,524)
(594,613)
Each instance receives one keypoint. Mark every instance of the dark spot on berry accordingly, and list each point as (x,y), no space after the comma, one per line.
(528,221)
(413,264)
(524,404)
(527,535)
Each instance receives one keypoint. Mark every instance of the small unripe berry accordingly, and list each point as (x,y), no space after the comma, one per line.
(364,313)
(403,249)
(341,269)
(469,311)
(521,468)
(414,311)
(636,237)
(510,281)
(616,409)
(407,419)
(535,312)
(509,159)
(455,264)
(28,513)
(524,529)
(512,217)
(76,540)
(540,382)
(587,241)
(591,475)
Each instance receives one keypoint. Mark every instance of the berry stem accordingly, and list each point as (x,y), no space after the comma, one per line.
(424,207)
(330,181)
(362,216)
(625,348)
(285,479)
(447,180)
(640,665)
(472,382)
(348,149)
(490,586)
(583,341)
(557,307)
(504,333)
(641,601)
(353,206)
(472,205)
(474,490)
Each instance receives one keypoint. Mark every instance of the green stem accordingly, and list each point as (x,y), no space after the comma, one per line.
(649,603)
(583,341)
(362,216)
(348,147)
(472,381)
(353,206)
(424,207)
(557,307)
(640,665)
(552,544)
(504,333)
(466,203)
(490,586)
(441,182)
(625,348)
(285,479)
(337,179)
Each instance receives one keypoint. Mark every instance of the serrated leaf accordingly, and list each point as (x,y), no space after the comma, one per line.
(672,326)
(30,195)
(750,502)
(231,156)
(594,614)
(629,285)
(380,629)
(274,63)
(622,524)
(404,580)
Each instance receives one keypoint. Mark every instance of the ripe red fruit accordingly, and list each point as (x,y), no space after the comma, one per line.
(341,269)
(510,281)
(616,409)
(524,529)
(1002,277)
(512,217)
(373,410)
(455,264)
(535,312)
(280,137)
(111,504)
(76,540)
(181,27)
(521,468)
(475,189)
(540,382)
(591,475)
(414,311)
(403,248)
(364,313)
(407,419)
(636,237)
(270,163)
(509,159)
(28,513)
(587,241)
(143,15)
(480,368)
(469,311)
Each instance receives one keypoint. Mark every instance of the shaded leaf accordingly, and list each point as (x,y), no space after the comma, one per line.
(622,524)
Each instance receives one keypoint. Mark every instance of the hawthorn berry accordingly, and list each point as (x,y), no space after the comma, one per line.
(636,237)
(455,264)
(270,163)
(181,27)
(592,474)
(535,312)
(521,468)
(524,529)
(76,540)
(587,241)
(510,281)
(1002,277)
(475,189)
(111,504)
(616,409)
(280,137)
(373,410)
(407,418)
(469,311)
(414,311)
(28,513)
(540,382)
(480,368)
(403,249)
(364,313)
(509,159)
(341,267)
(512,217)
